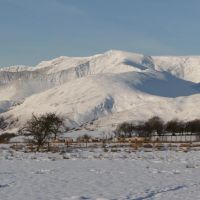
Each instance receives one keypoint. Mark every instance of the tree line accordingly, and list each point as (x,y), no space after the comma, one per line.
(156,126)
(46,127)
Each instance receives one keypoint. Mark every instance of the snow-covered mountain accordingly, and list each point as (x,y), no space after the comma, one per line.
(106,88)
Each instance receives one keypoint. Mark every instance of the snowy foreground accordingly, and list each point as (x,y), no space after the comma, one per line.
(94,174)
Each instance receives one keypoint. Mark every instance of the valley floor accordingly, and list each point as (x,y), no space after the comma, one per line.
(86,175)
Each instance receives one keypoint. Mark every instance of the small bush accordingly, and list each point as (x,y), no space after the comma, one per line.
(3,123)
(5,137)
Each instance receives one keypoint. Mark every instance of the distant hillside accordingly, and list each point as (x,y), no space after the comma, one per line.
(107,88)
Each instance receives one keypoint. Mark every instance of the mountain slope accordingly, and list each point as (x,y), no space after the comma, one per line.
(108,88)
(185,67)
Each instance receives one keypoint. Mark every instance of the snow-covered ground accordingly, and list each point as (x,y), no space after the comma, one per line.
(89,174)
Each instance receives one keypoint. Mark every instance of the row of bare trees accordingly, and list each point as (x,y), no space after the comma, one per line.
(156,126)
(46,127)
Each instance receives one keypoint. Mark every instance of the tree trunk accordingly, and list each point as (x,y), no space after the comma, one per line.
(48,146)
(38,147)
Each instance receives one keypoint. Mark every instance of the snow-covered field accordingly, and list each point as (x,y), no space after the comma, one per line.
(86,174)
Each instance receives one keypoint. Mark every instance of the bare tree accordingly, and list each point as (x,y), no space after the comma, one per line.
(193,127)
(42,128)
(146,129)
(125,129)
(175,127)
(156,124)
(55,124)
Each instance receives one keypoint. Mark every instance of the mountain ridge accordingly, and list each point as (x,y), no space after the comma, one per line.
(84,89)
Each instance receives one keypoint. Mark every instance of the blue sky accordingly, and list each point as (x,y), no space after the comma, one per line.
(35,30)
